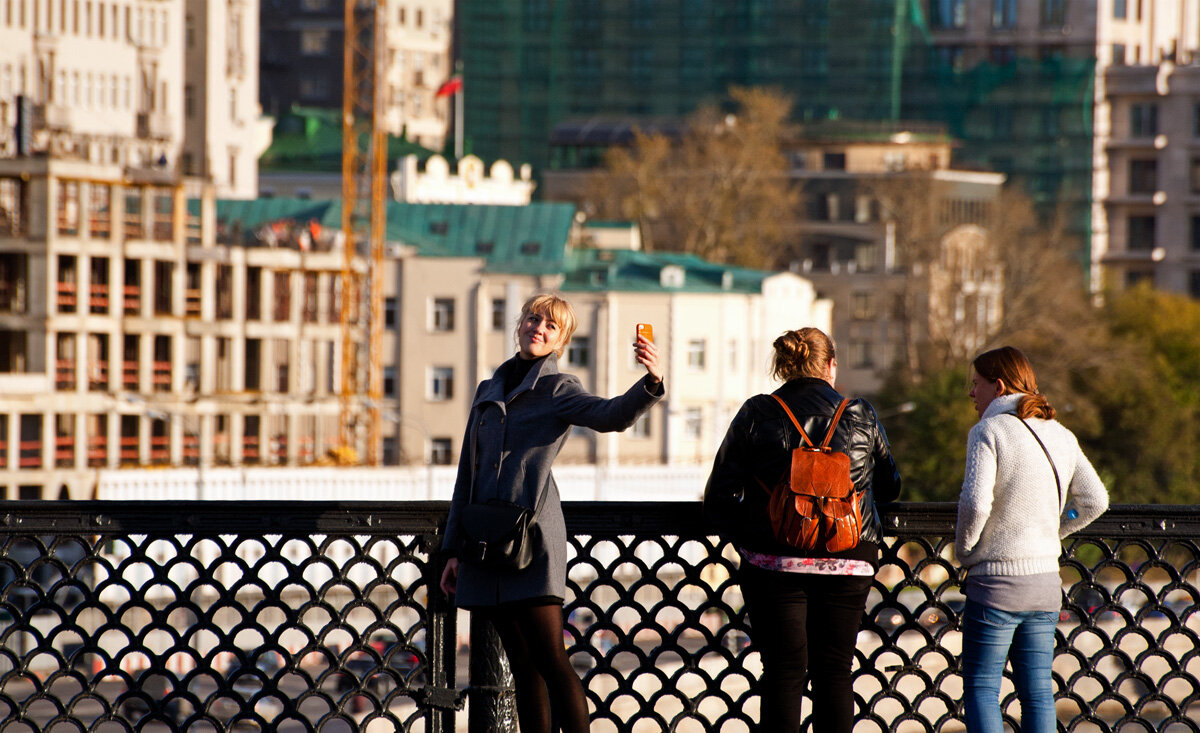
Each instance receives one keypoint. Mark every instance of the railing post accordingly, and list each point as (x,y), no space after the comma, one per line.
(441,644)
(493,699)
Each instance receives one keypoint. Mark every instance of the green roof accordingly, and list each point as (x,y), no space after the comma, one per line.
(528,239)
(310,139)
(591,270)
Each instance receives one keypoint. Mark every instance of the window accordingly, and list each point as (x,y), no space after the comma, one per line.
(733,350)
(860,355)
(866,256)
(440,451)
(835,161)
(441,315)
(1120,9)
(1195,233)
(693,423)
(531,248)
(1118,54)
(441,383)
(1004,14)
(1143,119)
(1143,176)
(1194,175)
(1196,120)
(695,354)
(1134,277)
(314,42)
(863,306)
(1002,122)
(579,351)
(1054,13)
(498,314)
(641,426)
(948,13)
(1003,54)
(389,312)
(389,381)
(1141,233)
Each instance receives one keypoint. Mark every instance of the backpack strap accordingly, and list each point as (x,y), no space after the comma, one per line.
(837,416)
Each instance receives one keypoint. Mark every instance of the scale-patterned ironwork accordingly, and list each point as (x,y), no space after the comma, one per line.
(325,616)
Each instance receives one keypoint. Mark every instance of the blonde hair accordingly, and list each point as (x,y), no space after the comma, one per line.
(805,352)
(555,308)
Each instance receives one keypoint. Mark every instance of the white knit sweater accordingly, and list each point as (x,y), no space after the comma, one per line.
(1010,520)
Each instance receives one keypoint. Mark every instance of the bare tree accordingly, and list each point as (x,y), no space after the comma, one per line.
(721,191)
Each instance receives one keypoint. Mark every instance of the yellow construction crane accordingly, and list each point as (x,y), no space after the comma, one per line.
(364,218)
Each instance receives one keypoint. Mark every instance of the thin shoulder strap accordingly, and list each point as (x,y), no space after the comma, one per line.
(837,416)
(1054,468)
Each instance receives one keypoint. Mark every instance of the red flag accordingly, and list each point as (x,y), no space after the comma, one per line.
(450,87)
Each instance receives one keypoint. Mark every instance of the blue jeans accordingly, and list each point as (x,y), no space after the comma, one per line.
(1025,638)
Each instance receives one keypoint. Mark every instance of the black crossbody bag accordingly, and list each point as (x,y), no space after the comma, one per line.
(1054,468)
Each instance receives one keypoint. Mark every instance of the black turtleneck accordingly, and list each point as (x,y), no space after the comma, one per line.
(517,373)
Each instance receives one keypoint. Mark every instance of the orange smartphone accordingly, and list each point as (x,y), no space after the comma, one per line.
(645,329)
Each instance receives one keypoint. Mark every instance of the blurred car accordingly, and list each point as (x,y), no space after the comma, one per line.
(889,619)
(935,618)
(403,659)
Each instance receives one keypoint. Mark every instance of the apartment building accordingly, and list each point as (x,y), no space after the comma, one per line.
(1147,183)
(895,301)
(464,272)
(138,330)
(302,63)
(224,131)
(169,85)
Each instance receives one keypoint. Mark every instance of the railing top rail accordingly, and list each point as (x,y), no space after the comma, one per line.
(294,518)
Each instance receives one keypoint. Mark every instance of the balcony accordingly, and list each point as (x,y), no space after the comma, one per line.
(58,117)
(654,610)
(154,125)
(64,374)
(97,451)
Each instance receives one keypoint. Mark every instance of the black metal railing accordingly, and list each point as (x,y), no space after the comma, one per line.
(326,616)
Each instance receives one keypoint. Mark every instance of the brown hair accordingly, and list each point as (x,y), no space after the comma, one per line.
(802,353)
(555,308)
(1010,365)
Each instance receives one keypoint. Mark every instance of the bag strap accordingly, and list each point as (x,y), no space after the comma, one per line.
(1054,468)
(837,416)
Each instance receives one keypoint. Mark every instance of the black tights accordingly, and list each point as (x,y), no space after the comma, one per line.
(547,687)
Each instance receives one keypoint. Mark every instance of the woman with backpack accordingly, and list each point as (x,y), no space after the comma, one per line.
(1027,486)
(805,583)
(519,419)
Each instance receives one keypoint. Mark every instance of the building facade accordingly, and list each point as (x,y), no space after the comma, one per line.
(169,86)
(1148,188)
(302,62)
(898,241)
(137,331)
(142,328)
(1017,81)
(457,303)
(892,235)
(224,131)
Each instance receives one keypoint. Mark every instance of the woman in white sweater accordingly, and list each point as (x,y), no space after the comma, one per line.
(1027,486)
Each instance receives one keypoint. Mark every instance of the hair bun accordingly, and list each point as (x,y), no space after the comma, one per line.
(802,350)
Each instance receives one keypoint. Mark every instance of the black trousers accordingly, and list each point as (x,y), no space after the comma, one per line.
(805,628)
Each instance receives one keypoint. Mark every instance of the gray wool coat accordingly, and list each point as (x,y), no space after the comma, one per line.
(510,443)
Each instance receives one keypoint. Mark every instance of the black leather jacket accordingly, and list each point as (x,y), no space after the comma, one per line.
(759,443)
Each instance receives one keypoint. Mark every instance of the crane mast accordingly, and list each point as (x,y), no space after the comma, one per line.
(364,218)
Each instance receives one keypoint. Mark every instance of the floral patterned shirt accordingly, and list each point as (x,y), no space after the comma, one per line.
(808,565)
